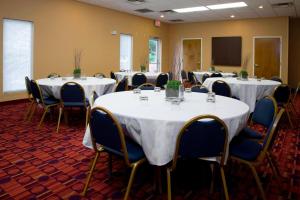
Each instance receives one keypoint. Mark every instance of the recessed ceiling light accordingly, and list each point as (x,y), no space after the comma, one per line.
(232,16)
(191,9)
(261,6)
(227,5)
(162,16)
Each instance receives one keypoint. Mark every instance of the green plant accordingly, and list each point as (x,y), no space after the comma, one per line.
(143,68)
(173,84)
(243,73)
(77,71)
(212,69)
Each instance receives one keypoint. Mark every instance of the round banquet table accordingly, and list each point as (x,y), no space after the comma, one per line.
(51,87)
(151,76)
(155,124)
(199,75)
(248,91)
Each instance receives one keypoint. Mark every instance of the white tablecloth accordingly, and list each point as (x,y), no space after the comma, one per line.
(155,123)
(151,76)
(247,91)
(100,85)
(199,75)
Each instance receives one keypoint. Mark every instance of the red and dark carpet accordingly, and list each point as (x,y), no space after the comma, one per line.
(42,164)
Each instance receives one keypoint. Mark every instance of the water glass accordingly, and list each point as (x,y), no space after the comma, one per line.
(144,98)
(188,90)
(156,89)
(137,91)
(211,97)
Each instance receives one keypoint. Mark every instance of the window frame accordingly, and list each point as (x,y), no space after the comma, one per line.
(131,53)
(159,52)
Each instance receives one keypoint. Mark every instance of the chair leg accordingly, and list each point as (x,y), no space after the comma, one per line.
(43,116)
(273,166)
(90,174)
(224,183)
(133,171)
(169,184)
(87,112)
(110,165)
(212,166)
(32,112)
(59,118)
(28,111)
(289,117)
(258,181)
(158,179)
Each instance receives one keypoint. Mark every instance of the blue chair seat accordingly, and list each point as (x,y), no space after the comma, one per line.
(76,104)
(245,149)
(135,151)
(250,133)
(50,101)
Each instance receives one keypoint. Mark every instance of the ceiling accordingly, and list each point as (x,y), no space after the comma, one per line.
(251,11)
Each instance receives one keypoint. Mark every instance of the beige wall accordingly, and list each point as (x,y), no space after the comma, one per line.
(247,29)
(60,26)
(294,52)
(191,54)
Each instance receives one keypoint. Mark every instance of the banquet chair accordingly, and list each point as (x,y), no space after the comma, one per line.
(108,136)
(147,86)
(30,99)
(138,79)
(40,101)
(199,88)
(204,77)
(99,75)
(170,75)
(122,85)
(216,74)
(162,80)
(252,153)
(296,93)
(53,75)
(282,95)
(264,113)
(221,88)
(183,75)
(192,78)
(276,78)
(72,95)
(94,97)
(112,75)
(204,136)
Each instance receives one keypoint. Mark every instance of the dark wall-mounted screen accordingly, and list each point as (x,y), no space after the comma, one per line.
(227,51)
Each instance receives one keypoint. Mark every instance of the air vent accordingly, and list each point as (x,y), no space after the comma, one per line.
(283,5)
(136,2)
(144,10)
(167,11)
(176,20)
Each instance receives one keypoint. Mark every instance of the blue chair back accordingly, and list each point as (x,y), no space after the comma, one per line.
(36,92)
(72,92)
(138,79)
(162,80)
(191,77)
(216,74)
(221,88)
(122,85)
(203,136)
(113,76)
(204,77)
(276,78)
(183,75)
(27,84)
(106,131)
(282,94)
(200,89)
(147,86)
(265,111)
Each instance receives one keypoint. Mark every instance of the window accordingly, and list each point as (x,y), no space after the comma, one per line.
(154,55)
(125,52)
(17,54)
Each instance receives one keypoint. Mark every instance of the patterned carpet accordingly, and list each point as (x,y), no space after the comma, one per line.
(42,164)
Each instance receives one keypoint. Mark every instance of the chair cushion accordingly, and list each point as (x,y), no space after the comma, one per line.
(250,133)
(135,151)
(245,149)
(50,100)
(76,104)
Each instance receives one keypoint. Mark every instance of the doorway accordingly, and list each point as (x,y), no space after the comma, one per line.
(154,55)
(267,56)
(192,54)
